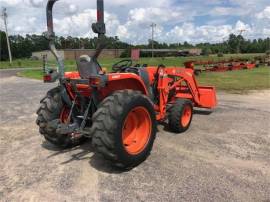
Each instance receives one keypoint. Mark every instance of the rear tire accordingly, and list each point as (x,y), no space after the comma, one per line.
(49,115)
(110,128)
(180,115)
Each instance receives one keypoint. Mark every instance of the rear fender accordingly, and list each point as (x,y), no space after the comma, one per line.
(63,93)
(123,81)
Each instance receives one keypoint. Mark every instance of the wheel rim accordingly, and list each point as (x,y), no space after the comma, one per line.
(64,114)
(64,118)
(186,116)
(136,130)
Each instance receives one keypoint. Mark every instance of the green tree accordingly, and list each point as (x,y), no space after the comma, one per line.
(3,46)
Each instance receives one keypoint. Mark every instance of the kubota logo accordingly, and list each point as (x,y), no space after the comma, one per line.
(116,76)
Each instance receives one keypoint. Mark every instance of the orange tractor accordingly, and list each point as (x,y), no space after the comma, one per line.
(119,111)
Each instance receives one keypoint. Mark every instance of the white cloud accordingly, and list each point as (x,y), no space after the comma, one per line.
(219,11)
(192,21)
(80,24)
(137,27)
(159,15)
(209,33)
(229,11)
(36,3)
(241,27)
(10,2)
(72,9)
(265,14)
(206,33)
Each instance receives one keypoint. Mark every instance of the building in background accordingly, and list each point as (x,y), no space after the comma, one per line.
(171,52)
(190,52)
(72,54)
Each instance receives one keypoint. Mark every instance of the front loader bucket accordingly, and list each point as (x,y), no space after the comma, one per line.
(207,96)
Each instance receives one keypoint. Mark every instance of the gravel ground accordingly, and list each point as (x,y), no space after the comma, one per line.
(224,156)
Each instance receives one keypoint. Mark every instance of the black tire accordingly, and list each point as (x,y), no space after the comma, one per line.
(175,114)
(108,123)
(48,116)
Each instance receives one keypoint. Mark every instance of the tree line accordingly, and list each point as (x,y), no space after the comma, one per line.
(23,46)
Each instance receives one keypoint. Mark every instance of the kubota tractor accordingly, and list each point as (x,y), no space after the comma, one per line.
(119,111)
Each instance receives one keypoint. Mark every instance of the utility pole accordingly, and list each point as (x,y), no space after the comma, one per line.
(241,31)
(153,25)
(4,15)
(224,44)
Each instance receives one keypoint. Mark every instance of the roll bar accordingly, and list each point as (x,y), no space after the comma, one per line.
(50,33)
(50,36)
(98,27)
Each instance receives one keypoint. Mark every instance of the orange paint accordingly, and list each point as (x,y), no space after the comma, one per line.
(136,130)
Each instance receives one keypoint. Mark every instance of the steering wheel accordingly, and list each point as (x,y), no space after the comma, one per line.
(121,65)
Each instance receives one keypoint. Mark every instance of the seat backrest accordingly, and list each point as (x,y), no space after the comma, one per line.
(87,66)
(145,77)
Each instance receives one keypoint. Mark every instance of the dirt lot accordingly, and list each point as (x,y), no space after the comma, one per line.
(225,156)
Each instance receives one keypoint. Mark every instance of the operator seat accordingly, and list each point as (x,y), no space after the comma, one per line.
(87,66)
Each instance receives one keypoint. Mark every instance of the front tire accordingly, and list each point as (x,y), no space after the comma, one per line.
(124,128)
(180,115)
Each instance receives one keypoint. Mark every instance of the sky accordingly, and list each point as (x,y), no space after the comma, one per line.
(193,21)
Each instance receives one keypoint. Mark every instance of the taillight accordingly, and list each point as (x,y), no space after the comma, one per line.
(47,78)
(50,77)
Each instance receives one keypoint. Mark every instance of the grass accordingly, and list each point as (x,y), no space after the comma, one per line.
(107,62)
(240,81)
(23,63)
(33,74)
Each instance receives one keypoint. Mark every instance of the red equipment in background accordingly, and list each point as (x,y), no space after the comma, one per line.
(220,66)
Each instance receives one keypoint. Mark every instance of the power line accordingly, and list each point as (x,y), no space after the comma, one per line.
(4,15)
(153,25)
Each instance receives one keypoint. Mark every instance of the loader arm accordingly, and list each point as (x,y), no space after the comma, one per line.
(188,77)
(166,83)
(202,96)
(185,86)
